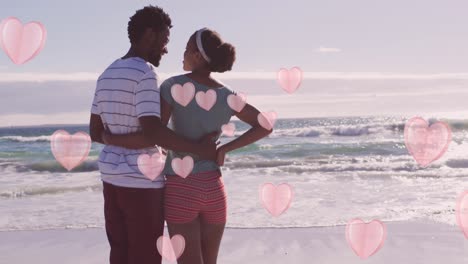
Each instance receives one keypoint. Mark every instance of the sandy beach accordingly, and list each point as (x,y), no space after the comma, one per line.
(407,242)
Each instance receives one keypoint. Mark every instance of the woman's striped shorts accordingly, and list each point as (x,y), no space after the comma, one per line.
(200,194)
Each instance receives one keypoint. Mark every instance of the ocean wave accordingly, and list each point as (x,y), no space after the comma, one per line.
(295,166)
(351,131)
(455,124)
(457,163)
(332,130)
(258,164)
(317,131)
(35,191)
(369,165)
(54,166)
(292,132)
(309,128)
(26,139)
(299,132)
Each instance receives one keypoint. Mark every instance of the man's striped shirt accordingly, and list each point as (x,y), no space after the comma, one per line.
(126,90)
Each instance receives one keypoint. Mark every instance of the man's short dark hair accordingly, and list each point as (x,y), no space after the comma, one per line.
(149,17)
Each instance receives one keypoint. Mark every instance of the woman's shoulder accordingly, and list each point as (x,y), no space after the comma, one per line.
(180,77)
(173,80)
(227,90)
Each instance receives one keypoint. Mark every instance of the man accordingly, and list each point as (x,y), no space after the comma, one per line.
(127,101)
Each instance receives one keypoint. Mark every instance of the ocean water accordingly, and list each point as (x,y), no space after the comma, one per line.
(339,169)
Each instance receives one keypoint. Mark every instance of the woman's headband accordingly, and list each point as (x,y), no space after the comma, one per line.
(199,44)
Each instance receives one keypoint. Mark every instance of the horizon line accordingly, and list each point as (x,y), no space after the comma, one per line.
(259,75)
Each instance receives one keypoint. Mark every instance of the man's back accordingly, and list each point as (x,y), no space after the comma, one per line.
(126,90)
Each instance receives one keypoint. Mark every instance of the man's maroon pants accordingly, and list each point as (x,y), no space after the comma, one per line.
(134,221)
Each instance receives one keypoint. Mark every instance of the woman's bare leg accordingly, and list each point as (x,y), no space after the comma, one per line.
(211,235)
(191,233)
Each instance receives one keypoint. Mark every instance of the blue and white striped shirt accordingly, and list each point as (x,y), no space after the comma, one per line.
(126,90)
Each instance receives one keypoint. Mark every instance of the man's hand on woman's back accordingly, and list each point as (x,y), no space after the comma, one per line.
(208,146)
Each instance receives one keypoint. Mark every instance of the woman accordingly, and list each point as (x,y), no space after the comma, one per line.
(195,206)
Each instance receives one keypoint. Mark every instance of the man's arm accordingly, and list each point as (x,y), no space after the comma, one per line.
(158,134)
(130,141)
(166,111)
(139,140)
(96,128)
(148,111)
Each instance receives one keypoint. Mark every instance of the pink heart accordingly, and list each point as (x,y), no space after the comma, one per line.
(21,43)
(228,129)
(151,166)
(426,144)
(237,102)
(182,167)
(461,211)
(206,100)
(171,249)
(290,80)
(70,150)
(365,238)
(183,94)
(267,119)
(2,23)
(276,199)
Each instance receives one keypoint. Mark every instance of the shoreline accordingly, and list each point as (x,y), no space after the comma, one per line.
(407,242)
(396,222)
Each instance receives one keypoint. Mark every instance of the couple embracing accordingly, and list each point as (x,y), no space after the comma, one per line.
(130,115)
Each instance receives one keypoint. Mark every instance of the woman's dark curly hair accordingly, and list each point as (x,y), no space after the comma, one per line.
(222,54)
(149,17)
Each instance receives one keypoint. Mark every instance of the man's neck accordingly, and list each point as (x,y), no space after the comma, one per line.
(133,52)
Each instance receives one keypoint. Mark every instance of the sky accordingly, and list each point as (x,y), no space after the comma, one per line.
(367,48)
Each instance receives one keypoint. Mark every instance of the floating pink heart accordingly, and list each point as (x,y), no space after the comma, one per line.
(2,23)
(171,249)
(206,100)
(21,43)
(182,167)
(267,119)
(276,199)
(461,211)
(237,102)
(291,79)
(228,129)
(426,144)
(183,94)
(365,238)
(70,150)
(151,166)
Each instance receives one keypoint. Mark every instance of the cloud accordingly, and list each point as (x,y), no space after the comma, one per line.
(44,77)
(349,76)
(44,119)
(384,76)
(257,75)
(327,50)
(35,77)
